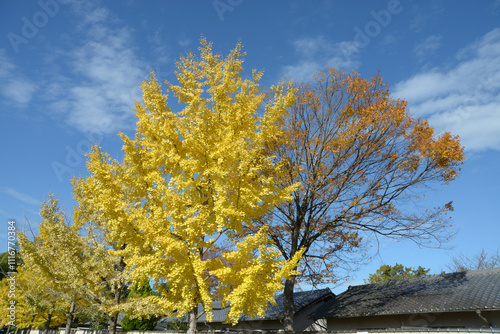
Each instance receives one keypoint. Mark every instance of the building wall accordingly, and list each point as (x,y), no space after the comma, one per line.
(243,325)
(424,320)
(444,331)
(301,322)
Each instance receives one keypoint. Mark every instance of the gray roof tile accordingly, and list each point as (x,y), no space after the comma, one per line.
(301,300)
(470,290)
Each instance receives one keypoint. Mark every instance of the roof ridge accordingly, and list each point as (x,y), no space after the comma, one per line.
(426,277)
(448,292)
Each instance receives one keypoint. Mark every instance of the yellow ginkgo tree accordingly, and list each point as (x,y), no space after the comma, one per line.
(73,263)
(194,179)
(35,302)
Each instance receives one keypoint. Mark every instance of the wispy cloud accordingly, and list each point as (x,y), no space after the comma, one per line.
(496,6)
(15,88)
(160,48)
(92,83)
(425,16)
(427,47)
(318,53)
(20,196)
(184,43)
(464,99)
(104,77)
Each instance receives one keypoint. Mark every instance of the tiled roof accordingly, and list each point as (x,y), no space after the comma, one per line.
(219,315)
(301,300)
(462,291)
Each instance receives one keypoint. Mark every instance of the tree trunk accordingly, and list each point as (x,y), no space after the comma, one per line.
(113,321)
(192,317)
(47,324)
(69,321)
(30,326)
(28,330)
(8,329)
(288,305)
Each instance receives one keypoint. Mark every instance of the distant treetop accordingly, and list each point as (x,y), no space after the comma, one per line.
(388,273)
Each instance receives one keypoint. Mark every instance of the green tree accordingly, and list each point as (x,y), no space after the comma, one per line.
(4,263)
(388,273)
(132,321)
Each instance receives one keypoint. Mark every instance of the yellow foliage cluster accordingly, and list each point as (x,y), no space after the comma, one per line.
(33,298)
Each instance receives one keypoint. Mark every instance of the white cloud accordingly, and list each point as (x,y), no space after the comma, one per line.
(104,78)
(427,46)
(20,196)
(184,43)
(91,84)
(316,54)
(464,99)
(425,16)
(14,87)
(160,51)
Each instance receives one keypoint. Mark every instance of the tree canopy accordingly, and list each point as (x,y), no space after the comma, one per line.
(72,260)
(388,273)
(192,180)
(363,163)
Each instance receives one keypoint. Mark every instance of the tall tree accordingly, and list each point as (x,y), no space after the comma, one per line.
(362,161)
(388,273)
(193,179)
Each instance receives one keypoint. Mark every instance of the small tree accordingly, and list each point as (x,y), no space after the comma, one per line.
(482,260)
(193,179)
(74,262)
(388,273)
(134,321)
(37,303)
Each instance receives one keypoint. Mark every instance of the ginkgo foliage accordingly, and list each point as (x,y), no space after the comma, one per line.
(71,260)
(193,179)
(37,303)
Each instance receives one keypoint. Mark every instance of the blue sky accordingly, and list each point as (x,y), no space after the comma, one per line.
(69,71)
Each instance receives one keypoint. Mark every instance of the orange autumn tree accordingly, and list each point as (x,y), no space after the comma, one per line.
(362,162)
